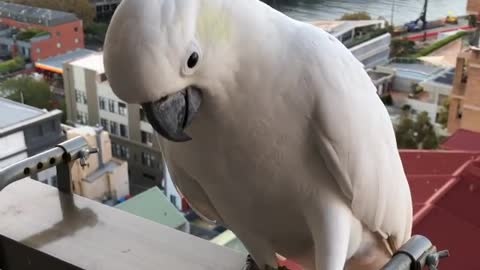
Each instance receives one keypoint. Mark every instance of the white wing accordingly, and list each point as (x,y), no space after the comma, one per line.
(356,138)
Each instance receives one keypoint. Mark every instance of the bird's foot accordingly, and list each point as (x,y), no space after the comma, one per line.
(252,265)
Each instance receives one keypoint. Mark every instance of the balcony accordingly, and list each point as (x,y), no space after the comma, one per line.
(56,229)
(48,228)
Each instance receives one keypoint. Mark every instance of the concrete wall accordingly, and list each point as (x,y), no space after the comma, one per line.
(12,144)
(473,6)
(119,182)
(103,177)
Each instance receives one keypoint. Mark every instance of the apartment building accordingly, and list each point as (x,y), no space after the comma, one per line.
(368,40)
(91,101)
(105,178)
(26,131)
(105,8)
(38,33)
(464,110)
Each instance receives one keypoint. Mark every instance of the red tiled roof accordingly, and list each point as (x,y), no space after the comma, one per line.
(425,162)
(463,140)
(445,188)
(451,220)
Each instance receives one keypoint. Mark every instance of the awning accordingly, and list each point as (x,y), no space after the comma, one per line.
(55,64)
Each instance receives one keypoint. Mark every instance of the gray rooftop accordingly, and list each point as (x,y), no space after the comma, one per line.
(58,61)
(106,168)
(417,67)
(377,75)
(336,28)
(12,113)
(34,15)
(446,77)
(418,71)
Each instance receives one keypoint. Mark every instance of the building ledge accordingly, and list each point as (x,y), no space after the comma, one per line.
(55,229)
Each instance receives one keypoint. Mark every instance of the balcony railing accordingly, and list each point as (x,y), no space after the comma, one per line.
(43,227)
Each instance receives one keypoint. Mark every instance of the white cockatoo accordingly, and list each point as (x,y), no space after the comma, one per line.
(269,126)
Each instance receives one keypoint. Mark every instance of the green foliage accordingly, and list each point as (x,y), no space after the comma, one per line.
(12,65)
(33,92)
(416,134)
(472,20)
(31,33)
(443,113)
(439,44)
(402,47)
(356,16)
(98,30)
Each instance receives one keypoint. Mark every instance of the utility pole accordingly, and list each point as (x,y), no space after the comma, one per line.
(393,11)
(424,20)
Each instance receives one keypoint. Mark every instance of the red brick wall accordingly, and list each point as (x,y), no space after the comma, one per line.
(48,48)
(473,6)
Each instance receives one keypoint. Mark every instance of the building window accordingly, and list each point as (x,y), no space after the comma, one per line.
(124,152)
(116,150)
(76,40)
(173,199)
(59,34)
(75,29)
(80,97)
(103,77)
(123,131)
(39,50)
(459,111)
(148,176)
(104,123)
(82,118)
(143,117)
(146,138)
(59,45)
(102,103)
(111,105)
(122,108)
(113,128)
(148,160)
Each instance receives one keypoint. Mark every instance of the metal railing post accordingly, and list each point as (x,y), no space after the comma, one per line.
(415,254)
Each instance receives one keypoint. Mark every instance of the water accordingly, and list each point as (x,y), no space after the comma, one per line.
(404,10)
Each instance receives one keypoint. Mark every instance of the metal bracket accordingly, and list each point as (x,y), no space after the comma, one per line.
(415,254)
(61,156)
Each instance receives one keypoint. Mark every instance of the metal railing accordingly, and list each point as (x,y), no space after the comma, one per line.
(61,157)
(416,254)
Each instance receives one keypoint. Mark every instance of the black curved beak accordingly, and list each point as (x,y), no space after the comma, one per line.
(170,115)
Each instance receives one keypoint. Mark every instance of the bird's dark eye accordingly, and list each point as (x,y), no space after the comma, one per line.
(192,60)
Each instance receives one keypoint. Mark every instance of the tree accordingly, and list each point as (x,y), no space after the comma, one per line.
(404,133)
(443,113)
(356,16)
(82,8)
(402,47)
(418,134)
(32,92)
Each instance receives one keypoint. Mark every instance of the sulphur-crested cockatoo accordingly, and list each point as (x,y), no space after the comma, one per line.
(269,126)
